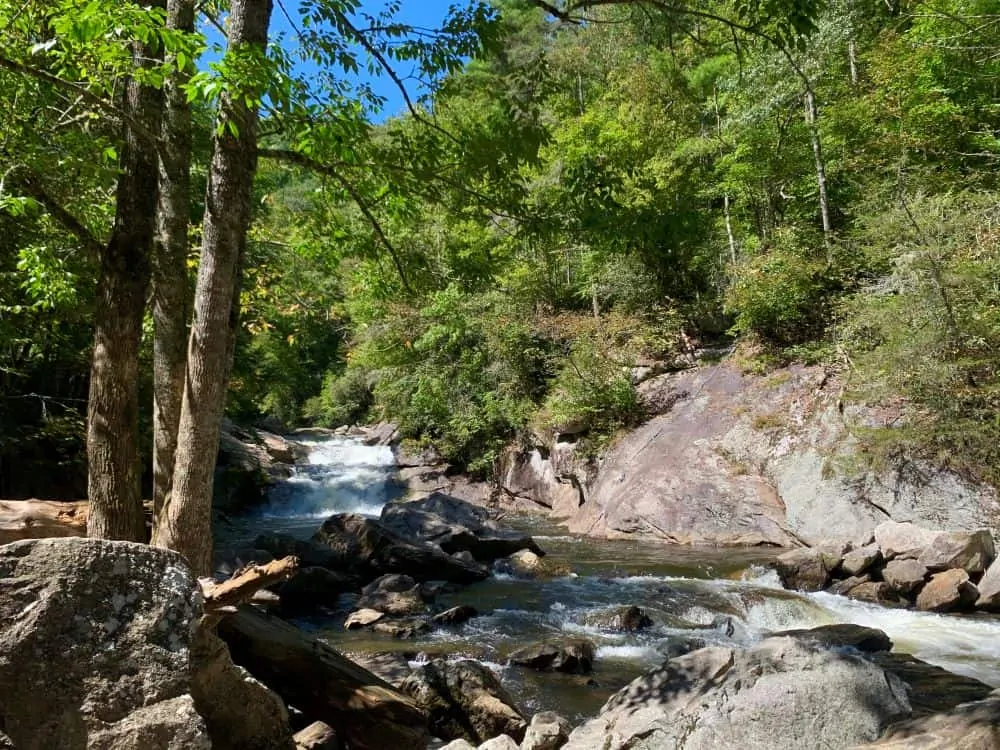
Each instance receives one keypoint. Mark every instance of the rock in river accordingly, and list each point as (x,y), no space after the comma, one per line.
(570,655)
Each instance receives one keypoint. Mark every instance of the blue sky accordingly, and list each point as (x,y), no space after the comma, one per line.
(426,13)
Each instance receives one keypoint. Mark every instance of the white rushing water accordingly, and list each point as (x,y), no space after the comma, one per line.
(341,475)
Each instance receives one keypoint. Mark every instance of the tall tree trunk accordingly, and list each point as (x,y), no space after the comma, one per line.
(171,306)
(113,468)
(185,522)
(817,146)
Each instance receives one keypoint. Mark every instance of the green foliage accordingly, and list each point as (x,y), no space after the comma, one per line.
(345,399)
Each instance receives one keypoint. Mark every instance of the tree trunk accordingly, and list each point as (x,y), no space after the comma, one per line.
(824,205)
(113,468)
(363,709)
(171,305)
(185,522)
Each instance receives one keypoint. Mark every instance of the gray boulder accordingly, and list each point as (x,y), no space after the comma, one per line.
(317,736)
(503,742)
(370,548)
(547,731)
(971,551)
(455,615)
(620,619)
(456,526)
(573,655)
(394,594)
(877,592)
(464,700)
(947,591)
(844,587)
(782,694)
(843,635)
(903,540)
(95,639)
(970,726)
(805,569)
(905,576)
(989,589)
(858,561)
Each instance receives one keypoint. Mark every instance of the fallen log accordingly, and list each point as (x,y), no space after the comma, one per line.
(38,519)
(367,712)
(244,583)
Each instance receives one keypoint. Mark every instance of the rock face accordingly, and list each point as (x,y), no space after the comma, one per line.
(741,459)
(464,700)
(575,655)
(455,526)
(94,638)
(369,549)
(249,463)
(782,694)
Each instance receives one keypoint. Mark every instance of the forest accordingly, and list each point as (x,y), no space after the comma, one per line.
(575,189)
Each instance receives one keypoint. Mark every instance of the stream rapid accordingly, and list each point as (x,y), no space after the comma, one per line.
(702,595)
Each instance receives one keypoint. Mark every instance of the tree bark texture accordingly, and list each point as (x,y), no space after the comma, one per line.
(817,146)
(363,709)
(185,522)
(113,468)
(171,304)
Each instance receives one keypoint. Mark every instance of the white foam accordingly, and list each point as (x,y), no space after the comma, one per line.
(628,653)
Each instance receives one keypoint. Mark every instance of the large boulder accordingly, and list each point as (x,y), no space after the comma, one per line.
(805,569)
(626,619)
(369,548)
(547,731)
(903,540)
(970,726)
(456,526)
(94,647)
(464,700)
(313,588)
(843,635)
(947,591)
(905,576)
(971,551)
(861,559)
(989,589)
(249,463)
(782,694)
(394,594)
(574,655)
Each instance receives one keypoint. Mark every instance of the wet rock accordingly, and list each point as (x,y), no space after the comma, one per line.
(455,615)
(95,639)
(547,731)
(868,640)
(947,591)
(503,742)
(310,554)
(804,569)
(317,736)
(362,618)
(971,551)
(456,525)
(312,588)
(408,628)
(464,699)
(843,588)
(989,589)
(859,560)
(782,694)
(393,667)
(930,689)
(621,619)
(905,576)
(248,464)
(675,647)
(525,563)
(569,655)
(970,725)
(902,540)
(384,433)
(877,592)
(369,548)
(394,594)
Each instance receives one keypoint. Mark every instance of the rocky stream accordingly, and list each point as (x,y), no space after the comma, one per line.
(726,599)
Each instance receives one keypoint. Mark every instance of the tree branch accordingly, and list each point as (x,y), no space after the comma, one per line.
(31,185)
(294,157)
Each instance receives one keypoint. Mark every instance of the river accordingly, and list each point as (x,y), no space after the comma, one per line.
(717,596)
